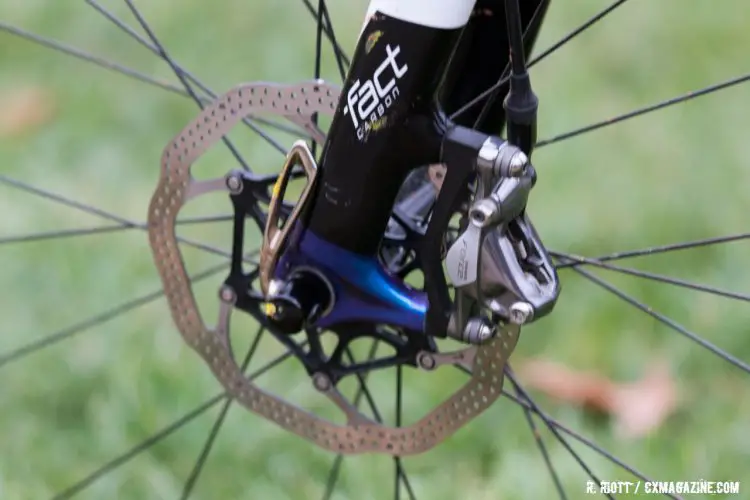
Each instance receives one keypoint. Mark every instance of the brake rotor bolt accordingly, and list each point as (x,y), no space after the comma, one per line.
(321,382)
(426,361)
(234,183)
(521,312)
(226,294)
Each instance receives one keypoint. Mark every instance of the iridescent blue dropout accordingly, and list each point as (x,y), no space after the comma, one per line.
(364,291)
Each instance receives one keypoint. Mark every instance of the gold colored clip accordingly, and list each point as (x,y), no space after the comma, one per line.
(275,238)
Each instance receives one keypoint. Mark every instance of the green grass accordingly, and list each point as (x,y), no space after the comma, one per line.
(678,174)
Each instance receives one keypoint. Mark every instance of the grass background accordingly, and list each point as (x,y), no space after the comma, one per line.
(678,174)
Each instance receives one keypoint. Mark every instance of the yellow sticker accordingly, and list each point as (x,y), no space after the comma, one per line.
(270,309)
(277,187)
(372,39)
(380,123)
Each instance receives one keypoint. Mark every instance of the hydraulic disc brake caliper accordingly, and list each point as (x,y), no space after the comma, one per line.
(499,262)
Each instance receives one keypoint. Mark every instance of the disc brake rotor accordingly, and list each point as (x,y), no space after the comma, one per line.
(360,434)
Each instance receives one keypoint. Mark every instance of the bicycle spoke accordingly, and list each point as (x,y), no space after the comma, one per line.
(340,58)
(664,320)
(570,36)
(127,71)
(138,449)
(554,425)
(398,474)
(542,449)
(160,435)
(328,30)
(188,87)
(648,109)
(492,93)
(654,277)
(4,179)
(363,390)
(578,437)
(208,445)
(97,320)
(518,389)
(87,57)
(190,76)
(660,249)
(65,233)
(71,233)
(379,419)
(318,59)
(333,475)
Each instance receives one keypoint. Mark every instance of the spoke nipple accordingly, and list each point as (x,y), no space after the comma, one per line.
(426,361)
(521,312)
(234,183)
(226,294)
(321,382)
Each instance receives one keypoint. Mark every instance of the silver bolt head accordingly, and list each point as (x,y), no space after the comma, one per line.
(478,331)
(495,306)
(521,312)
(517,164)
(437,173)
(483,212)
(426,361)
(321,382)
(227,294)
(485,333)
(274,286)
(487,155)
(234,183)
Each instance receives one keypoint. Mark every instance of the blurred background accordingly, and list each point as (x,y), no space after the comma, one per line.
(662,403)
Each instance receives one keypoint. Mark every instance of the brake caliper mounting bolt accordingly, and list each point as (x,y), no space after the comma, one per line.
(521,312)
(517,164)
(483,212)
(478,331)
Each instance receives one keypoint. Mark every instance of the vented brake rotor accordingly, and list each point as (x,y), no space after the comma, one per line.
(360,434)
